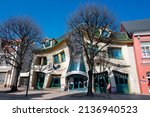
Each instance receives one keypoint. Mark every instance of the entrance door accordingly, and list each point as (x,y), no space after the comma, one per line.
(55,81)
(101,82)
(77,82)
(40,80)
(121,80)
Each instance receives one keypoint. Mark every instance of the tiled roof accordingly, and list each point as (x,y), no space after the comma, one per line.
(137,26)
(59,40)
(122,36)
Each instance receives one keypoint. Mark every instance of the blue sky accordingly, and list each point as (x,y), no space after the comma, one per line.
(51,15)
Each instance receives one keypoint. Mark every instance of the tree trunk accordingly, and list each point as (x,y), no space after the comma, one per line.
(14,87)
(90,92)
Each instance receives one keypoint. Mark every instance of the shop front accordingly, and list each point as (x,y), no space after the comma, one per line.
(121,80)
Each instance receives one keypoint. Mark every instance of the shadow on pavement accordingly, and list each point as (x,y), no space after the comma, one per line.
(6,95)
(59,95)
(83,96)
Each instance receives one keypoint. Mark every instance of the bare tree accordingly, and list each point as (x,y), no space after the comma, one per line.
(102,61)
(18,35)
(91,28)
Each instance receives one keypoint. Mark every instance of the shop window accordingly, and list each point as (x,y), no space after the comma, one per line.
(121,81)
(148,77)
(117,80)
(2,78)
(115,53)
(55,82)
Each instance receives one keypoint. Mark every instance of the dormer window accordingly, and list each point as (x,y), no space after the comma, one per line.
(105,33)
(49,43)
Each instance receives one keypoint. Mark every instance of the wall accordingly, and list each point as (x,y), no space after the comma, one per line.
(127,65)
(48,69)
(142,68)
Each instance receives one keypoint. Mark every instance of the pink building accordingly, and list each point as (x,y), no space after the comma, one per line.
(139,31)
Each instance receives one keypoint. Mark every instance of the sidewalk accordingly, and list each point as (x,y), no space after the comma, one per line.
(57,94)
(33,94)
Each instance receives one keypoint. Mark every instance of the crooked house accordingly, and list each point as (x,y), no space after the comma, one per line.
(54,66)
(7,72)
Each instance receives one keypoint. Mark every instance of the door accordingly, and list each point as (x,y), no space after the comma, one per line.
(78,83)
(40,80)
(55,81)
(121,80)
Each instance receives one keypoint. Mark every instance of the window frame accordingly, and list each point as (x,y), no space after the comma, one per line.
(60,58)
(63,57)
(112,55)
(145,53)
(54,59)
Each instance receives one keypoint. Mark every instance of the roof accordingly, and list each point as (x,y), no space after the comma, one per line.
(59,40)
(122,38)
(119,37)
(137,26)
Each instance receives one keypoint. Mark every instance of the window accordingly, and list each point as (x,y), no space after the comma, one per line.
(62,56)
(148,77)
(38,61)
(145,46)
(105,34)
(89,48)
(47,43)
(115,53)
(41,61)
(2,78)
(44,61)
(58,58)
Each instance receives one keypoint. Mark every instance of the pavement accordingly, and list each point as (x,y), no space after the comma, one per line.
(57,94)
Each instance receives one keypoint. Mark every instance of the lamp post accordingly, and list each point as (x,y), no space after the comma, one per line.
(28,85)
(28,79)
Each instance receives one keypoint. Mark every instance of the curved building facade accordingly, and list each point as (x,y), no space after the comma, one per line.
(76,76)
